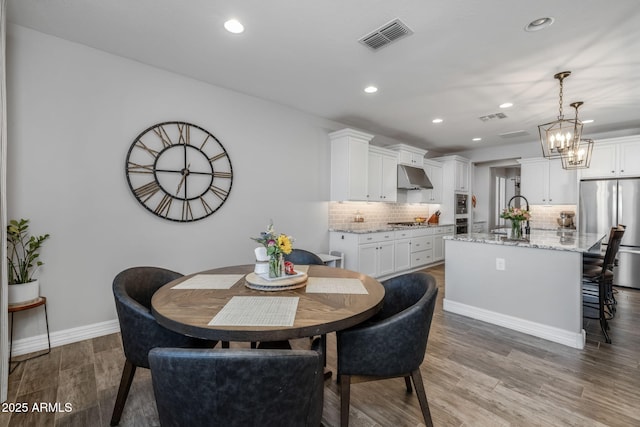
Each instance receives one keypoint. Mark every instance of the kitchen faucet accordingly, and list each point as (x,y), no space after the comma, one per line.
(527,229)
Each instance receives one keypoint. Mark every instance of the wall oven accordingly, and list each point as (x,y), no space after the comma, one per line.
(461,204)
(462,225)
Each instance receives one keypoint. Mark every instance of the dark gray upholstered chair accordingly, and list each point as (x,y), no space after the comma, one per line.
(132,290)
(238,387)
(392,343)
(303,257)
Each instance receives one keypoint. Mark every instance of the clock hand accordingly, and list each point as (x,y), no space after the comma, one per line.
(185,172)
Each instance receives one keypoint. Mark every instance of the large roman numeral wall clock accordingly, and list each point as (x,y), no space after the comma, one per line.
(179,171)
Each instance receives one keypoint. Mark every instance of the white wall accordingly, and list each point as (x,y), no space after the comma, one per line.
(73,113)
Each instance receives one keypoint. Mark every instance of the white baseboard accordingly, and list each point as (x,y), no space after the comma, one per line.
(68,336)
(568,338)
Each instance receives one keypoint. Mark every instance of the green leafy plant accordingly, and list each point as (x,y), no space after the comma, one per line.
(22,252)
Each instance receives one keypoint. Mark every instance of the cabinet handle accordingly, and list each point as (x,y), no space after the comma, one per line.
(613,171)
(621,170)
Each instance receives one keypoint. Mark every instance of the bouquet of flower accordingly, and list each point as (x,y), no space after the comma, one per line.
(516,214)
(275,243)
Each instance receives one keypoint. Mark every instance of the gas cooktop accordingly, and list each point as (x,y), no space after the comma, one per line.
(407,224)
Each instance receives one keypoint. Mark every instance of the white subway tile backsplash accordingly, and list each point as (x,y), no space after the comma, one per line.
(342,214)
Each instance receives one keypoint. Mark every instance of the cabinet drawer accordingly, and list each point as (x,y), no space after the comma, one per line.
(449,229)
(422,232)
(421,258)
(421,243)
(376,237)
(402,234)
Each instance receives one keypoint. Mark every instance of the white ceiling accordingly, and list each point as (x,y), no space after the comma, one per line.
(465,58)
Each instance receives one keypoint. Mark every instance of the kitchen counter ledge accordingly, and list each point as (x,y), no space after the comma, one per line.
(375,229)
(538,239)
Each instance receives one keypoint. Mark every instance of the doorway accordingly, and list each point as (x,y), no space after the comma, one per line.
(505,185)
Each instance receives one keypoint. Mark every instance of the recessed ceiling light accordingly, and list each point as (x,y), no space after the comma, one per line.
(588,121)
(234,26)
(539,24)
(506,105)
(371,89)
(437,121)
(477,139)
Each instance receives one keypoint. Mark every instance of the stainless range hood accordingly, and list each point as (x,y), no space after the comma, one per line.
(410,178)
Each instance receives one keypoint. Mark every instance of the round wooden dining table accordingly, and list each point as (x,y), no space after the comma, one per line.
(189,311)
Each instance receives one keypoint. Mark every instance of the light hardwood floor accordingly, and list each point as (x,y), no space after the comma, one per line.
(475,374)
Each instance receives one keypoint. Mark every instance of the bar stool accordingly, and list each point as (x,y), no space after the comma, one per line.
(40,301)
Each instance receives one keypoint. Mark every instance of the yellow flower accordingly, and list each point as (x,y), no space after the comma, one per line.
(284,243)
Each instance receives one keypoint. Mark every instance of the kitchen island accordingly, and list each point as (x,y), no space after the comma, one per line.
(532,286)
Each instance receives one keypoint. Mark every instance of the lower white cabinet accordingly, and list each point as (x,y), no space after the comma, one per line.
(438,241)
(380,254)
(421,247)
(403,250)
(368,253)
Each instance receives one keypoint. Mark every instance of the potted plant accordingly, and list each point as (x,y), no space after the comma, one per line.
(23,252)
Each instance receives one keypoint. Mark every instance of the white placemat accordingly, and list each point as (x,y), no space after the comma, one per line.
(335,285)
(209,281)
(257,311)
(303,268)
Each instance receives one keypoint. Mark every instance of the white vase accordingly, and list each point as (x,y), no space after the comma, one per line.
(23,292)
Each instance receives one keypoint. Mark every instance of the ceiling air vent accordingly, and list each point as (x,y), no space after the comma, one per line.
(388,33)
(514,134)
(493,117)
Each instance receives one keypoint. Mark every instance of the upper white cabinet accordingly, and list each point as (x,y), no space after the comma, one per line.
(461,175)
(382,175)
(408,155)
(456,169)
(616,157)
(544,182)
(349,165)
(434,195)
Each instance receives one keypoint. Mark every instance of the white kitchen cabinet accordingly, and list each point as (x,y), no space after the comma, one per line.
(461,171)
(456,172)
(377,259)
(388,253)
(438,241)
(421,247)
(617,157)
(382,175)
(408,155)
(434,195)
(349,165)
(544,182)
(370,253)
(402,249)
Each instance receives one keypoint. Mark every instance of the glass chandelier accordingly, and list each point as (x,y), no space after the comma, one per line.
(562,135)
(579,155)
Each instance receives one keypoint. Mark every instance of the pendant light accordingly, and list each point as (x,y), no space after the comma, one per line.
(559,136)
(578,156)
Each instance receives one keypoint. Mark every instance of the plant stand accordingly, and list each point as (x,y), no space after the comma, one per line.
(27,306)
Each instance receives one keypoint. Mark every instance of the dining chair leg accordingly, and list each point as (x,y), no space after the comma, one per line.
(407,382)
(128,372)
(422,397)
(604,325)
(345,390)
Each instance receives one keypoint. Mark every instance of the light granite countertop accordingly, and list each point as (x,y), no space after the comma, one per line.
(539,239)
(375,229)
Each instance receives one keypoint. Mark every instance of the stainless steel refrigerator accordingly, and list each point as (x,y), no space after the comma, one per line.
(606,203)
